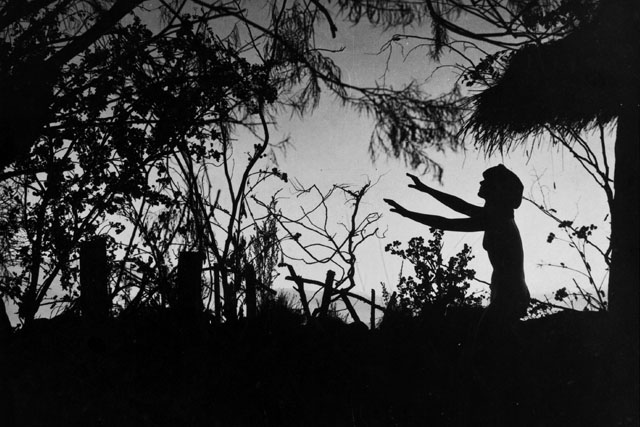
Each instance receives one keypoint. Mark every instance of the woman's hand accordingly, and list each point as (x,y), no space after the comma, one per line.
(417,184)
(395,207)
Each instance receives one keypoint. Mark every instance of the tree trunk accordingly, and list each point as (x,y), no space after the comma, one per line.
(624,277)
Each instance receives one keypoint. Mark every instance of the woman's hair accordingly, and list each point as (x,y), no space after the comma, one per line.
(510,185)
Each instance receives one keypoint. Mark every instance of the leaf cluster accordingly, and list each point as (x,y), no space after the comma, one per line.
(437,285)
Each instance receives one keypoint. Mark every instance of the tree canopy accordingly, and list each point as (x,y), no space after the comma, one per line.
(42,38)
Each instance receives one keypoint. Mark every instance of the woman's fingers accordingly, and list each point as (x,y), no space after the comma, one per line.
(395,207)
(417,184)
(393,203)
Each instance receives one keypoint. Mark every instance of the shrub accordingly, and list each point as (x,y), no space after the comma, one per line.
(437,286)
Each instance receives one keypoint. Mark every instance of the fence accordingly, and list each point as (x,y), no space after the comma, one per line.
(330,293)
(94,298)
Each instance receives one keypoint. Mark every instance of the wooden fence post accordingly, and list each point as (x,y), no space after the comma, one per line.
(300,288)
(94,285)
(373,309)
(5,324)
(250,285)
(217,298)
(229,307)
(189,288)
(326,293)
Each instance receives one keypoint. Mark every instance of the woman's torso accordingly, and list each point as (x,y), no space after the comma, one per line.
(504,246)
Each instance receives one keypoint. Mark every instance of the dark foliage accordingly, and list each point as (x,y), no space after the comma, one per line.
(438,286)
(120,111)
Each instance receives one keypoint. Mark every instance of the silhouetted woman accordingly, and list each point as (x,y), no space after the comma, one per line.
(502,192)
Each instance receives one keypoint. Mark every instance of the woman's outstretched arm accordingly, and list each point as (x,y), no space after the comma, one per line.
(474,223)
(448,200)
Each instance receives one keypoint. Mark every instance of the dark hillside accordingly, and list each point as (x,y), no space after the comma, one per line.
(149,371)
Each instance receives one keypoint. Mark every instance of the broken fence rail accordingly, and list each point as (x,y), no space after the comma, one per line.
(329,293)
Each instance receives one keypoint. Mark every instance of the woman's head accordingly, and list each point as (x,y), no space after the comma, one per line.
(501,186)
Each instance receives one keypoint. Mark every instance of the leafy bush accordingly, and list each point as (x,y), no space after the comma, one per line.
(437,286)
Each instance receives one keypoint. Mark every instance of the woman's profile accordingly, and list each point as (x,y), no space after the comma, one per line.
(502,192)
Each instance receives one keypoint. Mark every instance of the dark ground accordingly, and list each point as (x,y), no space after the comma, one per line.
(567,369)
